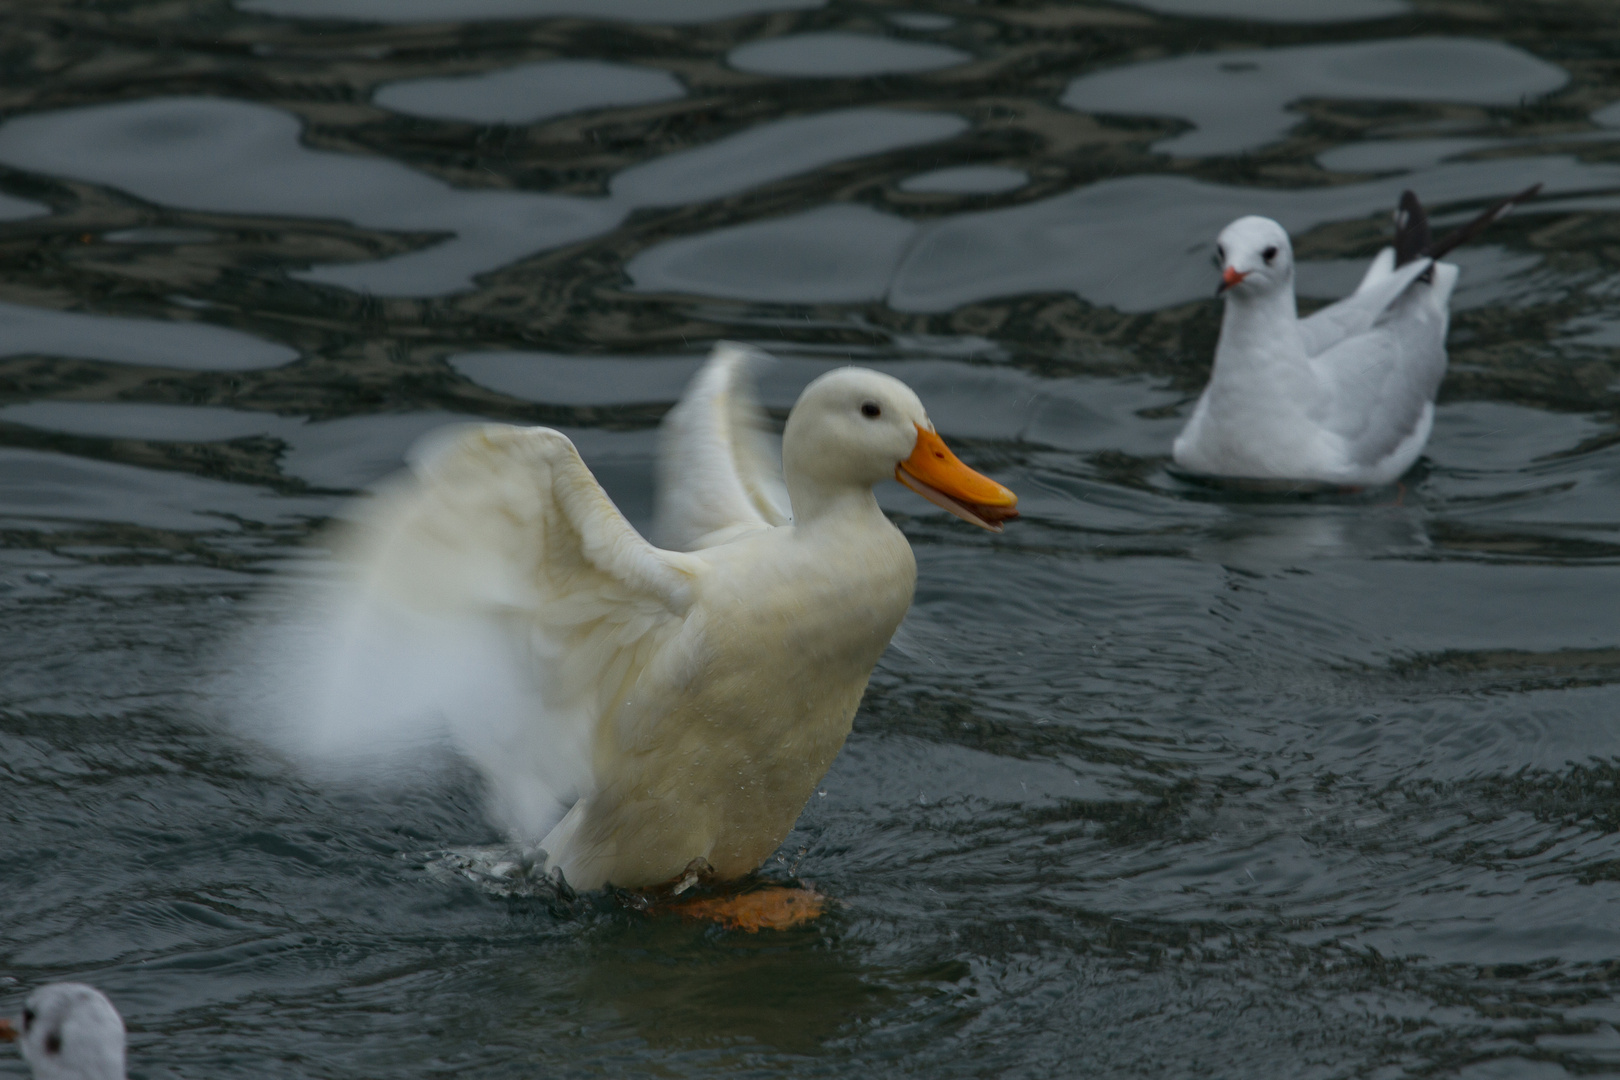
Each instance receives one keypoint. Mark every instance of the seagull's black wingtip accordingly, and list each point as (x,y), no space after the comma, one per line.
(1494,212)
(1411,229)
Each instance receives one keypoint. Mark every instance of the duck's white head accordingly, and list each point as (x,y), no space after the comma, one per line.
(1254,256)
(70,1031)
(853,428)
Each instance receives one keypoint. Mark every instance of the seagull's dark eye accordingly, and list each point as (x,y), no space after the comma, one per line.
(53,1043)
(1220,254)
(1269,254)
(28,1019)
(870,410)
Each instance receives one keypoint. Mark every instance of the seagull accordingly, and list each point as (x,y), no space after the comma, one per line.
(70,1031)
(641,710)
(1344,397)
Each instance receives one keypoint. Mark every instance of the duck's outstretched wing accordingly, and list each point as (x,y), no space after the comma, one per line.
(498,599)
(718,475)
(1383,381)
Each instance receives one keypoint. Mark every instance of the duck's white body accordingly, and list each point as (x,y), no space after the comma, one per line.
(1343,397)
(716,751)
(636,708)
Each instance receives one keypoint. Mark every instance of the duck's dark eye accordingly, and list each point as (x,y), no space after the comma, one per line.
(870,410)
(1269,254)
(53,1043)
(28,1019)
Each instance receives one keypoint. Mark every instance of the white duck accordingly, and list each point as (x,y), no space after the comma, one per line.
(70,1031)
(1343,397)
(636,708)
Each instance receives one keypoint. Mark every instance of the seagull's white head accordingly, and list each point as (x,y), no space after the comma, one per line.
(1254,256)
(70,1031)
(853,428)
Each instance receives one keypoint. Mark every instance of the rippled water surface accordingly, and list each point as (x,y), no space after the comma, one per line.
(1165,781)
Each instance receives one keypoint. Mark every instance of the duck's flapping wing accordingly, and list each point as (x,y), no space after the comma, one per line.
(499,599)
(718,473)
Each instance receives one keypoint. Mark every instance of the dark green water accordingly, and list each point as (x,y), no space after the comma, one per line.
(1162,782)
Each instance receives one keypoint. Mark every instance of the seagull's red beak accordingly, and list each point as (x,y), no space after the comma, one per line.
(1229,278)
(7,1032)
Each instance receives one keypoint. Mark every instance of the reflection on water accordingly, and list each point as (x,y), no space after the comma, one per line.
(777,150)
(653,11)
(1167,781)
(831,255)
(790,994)
(530,92)
(239,158)
(234,157)
(194,346)
(967,179)
(1285,11)
(579,380)
(836,55)
(1239,100)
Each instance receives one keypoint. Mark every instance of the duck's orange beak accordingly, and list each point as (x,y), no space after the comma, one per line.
(936,474)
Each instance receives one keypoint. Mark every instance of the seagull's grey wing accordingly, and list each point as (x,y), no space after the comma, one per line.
(1357,313)
(1384,379)
(717,472)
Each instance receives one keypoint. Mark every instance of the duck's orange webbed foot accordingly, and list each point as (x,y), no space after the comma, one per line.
(748,905)
(773,907)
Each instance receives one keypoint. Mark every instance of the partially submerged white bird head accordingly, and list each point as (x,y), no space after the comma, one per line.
(70,1031)
(852,428)
(1254,256)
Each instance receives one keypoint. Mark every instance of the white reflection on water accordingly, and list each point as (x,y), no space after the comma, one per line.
(1283,11)
(777,150)
(842,55)
(235,157)
(530,92)
(136,420)
(407,11)
(829,255)
(1239,100)
(1390,155)
(577,380)
(968,180)
(346,453)
(192,346)
(45,488)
